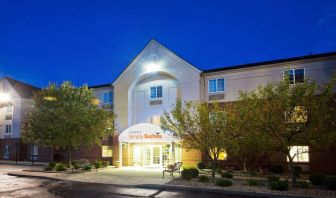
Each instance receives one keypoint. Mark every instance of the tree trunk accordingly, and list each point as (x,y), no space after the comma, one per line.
(213,172)
(293,176)
(69,156)
(244,166)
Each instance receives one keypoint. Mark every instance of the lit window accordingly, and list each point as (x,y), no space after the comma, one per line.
(216,85)
(222,155)
(300,153)
(295,75)
(8,128)
(156,119)
(107,97)
(106,151)
(156,92)
(297,115)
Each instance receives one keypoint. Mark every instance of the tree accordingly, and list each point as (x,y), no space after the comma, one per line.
(288,115)
(66,116)
(200,126)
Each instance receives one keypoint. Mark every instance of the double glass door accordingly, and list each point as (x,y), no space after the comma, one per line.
(153,155)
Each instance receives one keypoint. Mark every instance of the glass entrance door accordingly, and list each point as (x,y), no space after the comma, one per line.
(156,156)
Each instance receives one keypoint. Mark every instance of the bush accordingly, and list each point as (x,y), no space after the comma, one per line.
(105,163)
(277,169)
(87,167)
(317,179)
(302,184)
(219,171)
(201,165)
(272,178)
(48,168)
(330,182)
(281,185)
(52,165)
(252,173)
(186,174)
(227,175)
(252,182)
(60,167)
(194,172)
(297,170)
(223,182)
(203,178)
(98,164)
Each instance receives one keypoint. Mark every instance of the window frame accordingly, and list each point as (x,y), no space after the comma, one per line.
(156,92)
(108,93)
(298,155)
(108,150)
(8,128)
(7,149)
(294,71)
(9,111)
(216,85)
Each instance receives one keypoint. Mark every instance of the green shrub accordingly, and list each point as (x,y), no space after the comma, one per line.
(252,182)
(194,172)
(186,174)
(317,179)
(272,178)
(252,173)
(277,169)
(48,168)
(281,185)
(297,170)
(330,182)
(223,182)
(203,178)
(219,171)
(87,167)
(98,164)
(302,184)
(105,163)
(201,165)
(60,167)
(227,175)
(52,165)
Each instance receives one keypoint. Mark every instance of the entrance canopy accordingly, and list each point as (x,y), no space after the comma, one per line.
(145,132)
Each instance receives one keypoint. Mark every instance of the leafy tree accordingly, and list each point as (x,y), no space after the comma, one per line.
(288,115)
(66,116)
(200,126)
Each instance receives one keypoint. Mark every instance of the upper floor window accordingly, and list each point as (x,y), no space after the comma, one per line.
(8,128)
(107,97)
(295,75)
(299,153)
(156,119)
(9,109)
(156,92)
(216,85)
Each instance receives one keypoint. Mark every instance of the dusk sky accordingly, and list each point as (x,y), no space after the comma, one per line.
(94,41)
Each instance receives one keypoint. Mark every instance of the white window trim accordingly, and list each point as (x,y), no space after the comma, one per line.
(212,92)
(294,80)
(7,149)
(104,97)
(150,93)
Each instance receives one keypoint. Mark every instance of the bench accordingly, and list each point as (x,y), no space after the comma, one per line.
(79,164)
(172,169)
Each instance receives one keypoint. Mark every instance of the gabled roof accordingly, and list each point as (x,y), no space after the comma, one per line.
(23,89)
(299,58)
(150,43)
(100,86)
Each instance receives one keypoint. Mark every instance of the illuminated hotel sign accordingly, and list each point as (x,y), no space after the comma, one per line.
(138,135)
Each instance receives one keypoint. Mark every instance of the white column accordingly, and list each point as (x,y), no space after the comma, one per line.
(120,154)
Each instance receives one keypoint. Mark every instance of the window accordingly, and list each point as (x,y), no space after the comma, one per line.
(216,85)
(156,119)
(221,155)
(34,150)
(8,128)
(9,109)
(295,75)
(106,151)
(156,92)
(7,149)
(300,153)
(107,97)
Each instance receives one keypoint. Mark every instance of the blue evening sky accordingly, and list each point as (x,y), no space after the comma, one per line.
(93,41)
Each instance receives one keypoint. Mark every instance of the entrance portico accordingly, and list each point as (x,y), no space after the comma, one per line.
(147,145)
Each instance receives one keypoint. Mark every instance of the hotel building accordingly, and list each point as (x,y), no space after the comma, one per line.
(156,79)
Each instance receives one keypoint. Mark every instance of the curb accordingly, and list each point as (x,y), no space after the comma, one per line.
(176,187)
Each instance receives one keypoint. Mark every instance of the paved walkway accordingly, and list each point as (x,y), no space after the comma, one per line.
(119,176)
